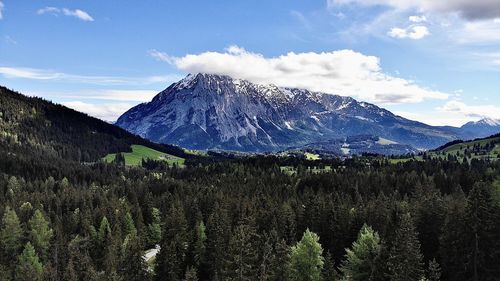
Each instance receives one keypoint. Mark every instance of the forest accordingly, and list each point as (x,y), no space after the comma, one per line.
(66,215)
(247,220)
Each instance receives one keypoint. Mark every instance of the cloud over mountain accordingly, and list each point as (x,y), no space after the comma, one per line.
(472,10)
(343,72)
(479,111)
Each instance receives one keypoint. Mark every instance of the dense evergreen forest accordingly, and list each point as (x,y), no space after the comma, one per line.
(65,215)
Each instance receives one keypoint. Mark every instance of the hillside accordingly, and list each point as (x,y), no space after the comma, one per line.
(484,148)
(33,130)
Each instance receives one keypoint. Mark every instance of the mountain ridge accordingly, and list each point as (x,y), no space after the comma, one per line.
(208,111)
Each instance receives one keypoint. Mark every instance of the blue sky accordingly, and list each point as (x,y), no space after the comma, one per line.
(432,61)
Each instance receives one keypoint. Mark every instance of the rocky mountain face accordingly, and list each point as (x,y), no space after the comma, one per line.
(206,111)
(482,128)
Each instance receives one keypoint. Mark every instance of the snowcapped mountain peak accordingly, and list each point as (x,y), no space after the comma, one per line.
(186,82)
(210,111)
(489,122)
(482,128)
(484,122)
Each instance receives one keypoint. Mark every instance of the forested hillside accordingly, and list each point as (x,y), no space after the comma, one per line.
(483,148)
(38,137)
(241,219)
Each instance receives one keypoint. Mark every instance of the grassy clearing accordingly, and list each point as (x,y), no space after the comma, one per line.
(195,152)
(396,161)
(403,160)
(312,156)
(140,152)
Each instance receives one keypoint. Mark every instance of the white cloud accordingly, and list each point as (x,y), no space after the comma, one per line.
(41,74)
(161,56)
(476,111)
(108,112)
(1,10)
(48,10)
(77,13)
(436,118)
(472,10)
(101,94)
(417,19)
(123,95)
(343,72)
(28,73)
(486,31)
(412,32)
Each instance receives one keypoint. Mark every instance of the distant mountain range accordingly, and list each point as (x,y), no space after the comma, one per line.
(206,111)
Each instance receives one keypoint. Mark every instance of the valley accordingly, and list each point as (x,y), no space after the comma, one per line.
(83,200)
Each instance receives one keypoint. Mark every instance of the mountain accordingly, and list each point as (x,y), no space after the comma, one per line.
(206,111)
(32,129)
(481,128)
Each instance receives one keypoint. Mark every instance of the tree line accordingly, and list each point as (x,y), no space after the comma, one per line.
(247,220)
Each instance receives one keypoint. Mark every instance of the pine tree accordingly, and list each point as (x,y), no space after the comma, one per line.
(329,271)
(241,257)
(70,273)
(106,254)
(104,231)
(29,267)
(40,233)
(132,266)
(434,271)
(170,261)
(128,225)
(360,259)
(80,263)
(11,234)
(119,159)
(280,261)
(482,218)
(405,260)
(306,260)
(13,185)
(154,228)
(199,247)
(190,275)
(380,270)
(218,232)
(453,253)
(265,270)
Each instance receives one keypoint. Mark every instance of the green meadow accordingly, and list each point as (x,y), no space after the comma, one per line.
(140,152)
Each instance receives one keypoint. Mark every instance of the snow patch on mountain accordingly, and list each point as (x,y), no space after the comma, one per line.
(206,111)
